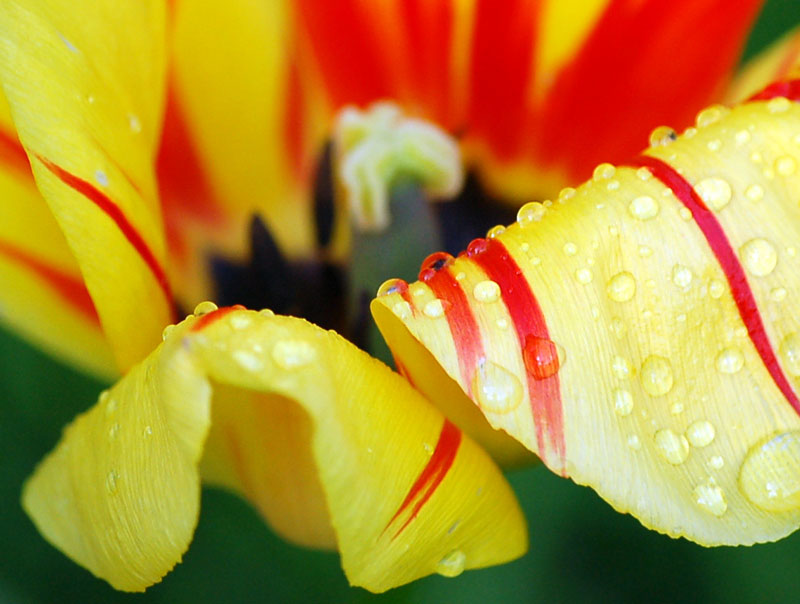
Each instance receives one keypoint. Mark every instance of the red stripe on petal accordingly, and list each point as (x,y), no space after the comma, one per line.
(69,288)
(214,316)
(463,327)
(734,273)
(113,211)
(431,476)
(543,382)
(789,89)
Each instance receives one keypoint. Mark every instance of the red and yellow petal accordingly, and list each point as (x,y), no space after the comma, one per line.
(636,334)
(85,89)
(778,61)
(331,446)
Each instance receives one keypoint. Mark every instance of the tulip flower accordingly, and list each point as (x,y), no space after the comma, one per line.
(136,145)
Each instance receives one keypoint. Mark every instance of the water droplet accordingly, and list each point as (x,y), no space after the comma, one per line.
(710,115)
(786,165)
(486,291)
(618,327)
(714,145)
(701,433)
(134,123)
(645,251)
(542,357)
(681,276)
(612,185)
(770,474)
(613,231)
(461,276)
(676,408)
(570,249)
(204,308)
(672,447)
(452,564)
(656,375)
(711,498)
(662,136)
(111,406)
(433,264)
(644,173)
(502,323)
(730,360)
(495,231)
(566,194)
(392,286)
(778,294)
(759,257)
(634,442)
(402,309)
(291,354)
(715,463)
(778,105)
(248,360)
(621,367)
(434,308)
(240,321)
(477,247)
(266,312)
(790,351)
(167,330)
(113,431)
(111,481)
(685,213)
(530,213)
(101,178)
(583,276)
(643,207)
(604,171)
(497,389)
(742,137)
(147,432)
(716,288)
(623,402)
(715,192)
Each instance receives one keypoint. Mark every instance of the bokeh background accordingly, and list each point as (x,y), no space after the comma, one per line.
(580,549)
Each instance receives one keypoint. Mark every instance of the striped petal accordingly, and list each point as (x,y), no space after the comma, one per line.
(638,334)
(85,91)
(777,62)
(332,447)
(238,135)
(540,90)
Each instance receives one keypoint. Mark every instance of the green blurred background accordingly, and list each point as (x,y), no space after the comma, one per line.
(581,550)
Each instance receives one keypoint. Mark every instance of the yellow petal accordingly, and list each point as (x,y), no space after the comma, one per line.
(248,115)
(85,90)
(778,61)
(332,447)
(41,289)
(638,334)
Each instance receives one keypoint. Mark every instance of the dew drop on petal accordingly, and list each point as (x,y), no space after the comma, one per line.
(729,360)
(604,171)
(715,462)
(570,249)
(681,276)
(402,309)
(715,192)
(452,564)
(495,231)
(634,442)
(113,431)
(759,257)
(656,375)
(778,294)
(111,482)
(292,354)
(434,308)
(716,288)
(621,367)
(583,276)
(204,308)
(486,291)
(167,331)
(643,207)
(672,447)
(790,353)
(392,286)
(778,104)
(542,357)
(623,402)
(770,474)
(701,433)
(134,123)
(497,389)
(248,361)
(662,136)
(786,165)
(530,213)
(710,498)
(710,115)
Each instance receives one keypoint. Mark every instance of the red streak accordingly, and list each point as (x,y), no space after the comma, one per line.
(545,394)
(463,326)
(789,88)
(112,211)
(734,273)
(12,152)
(432,474)
(71,290)
(215,315)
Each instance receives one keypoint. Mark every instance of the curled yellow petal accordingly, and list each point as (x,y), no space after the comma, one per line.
(85,88)
(637,334)
(332,447)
